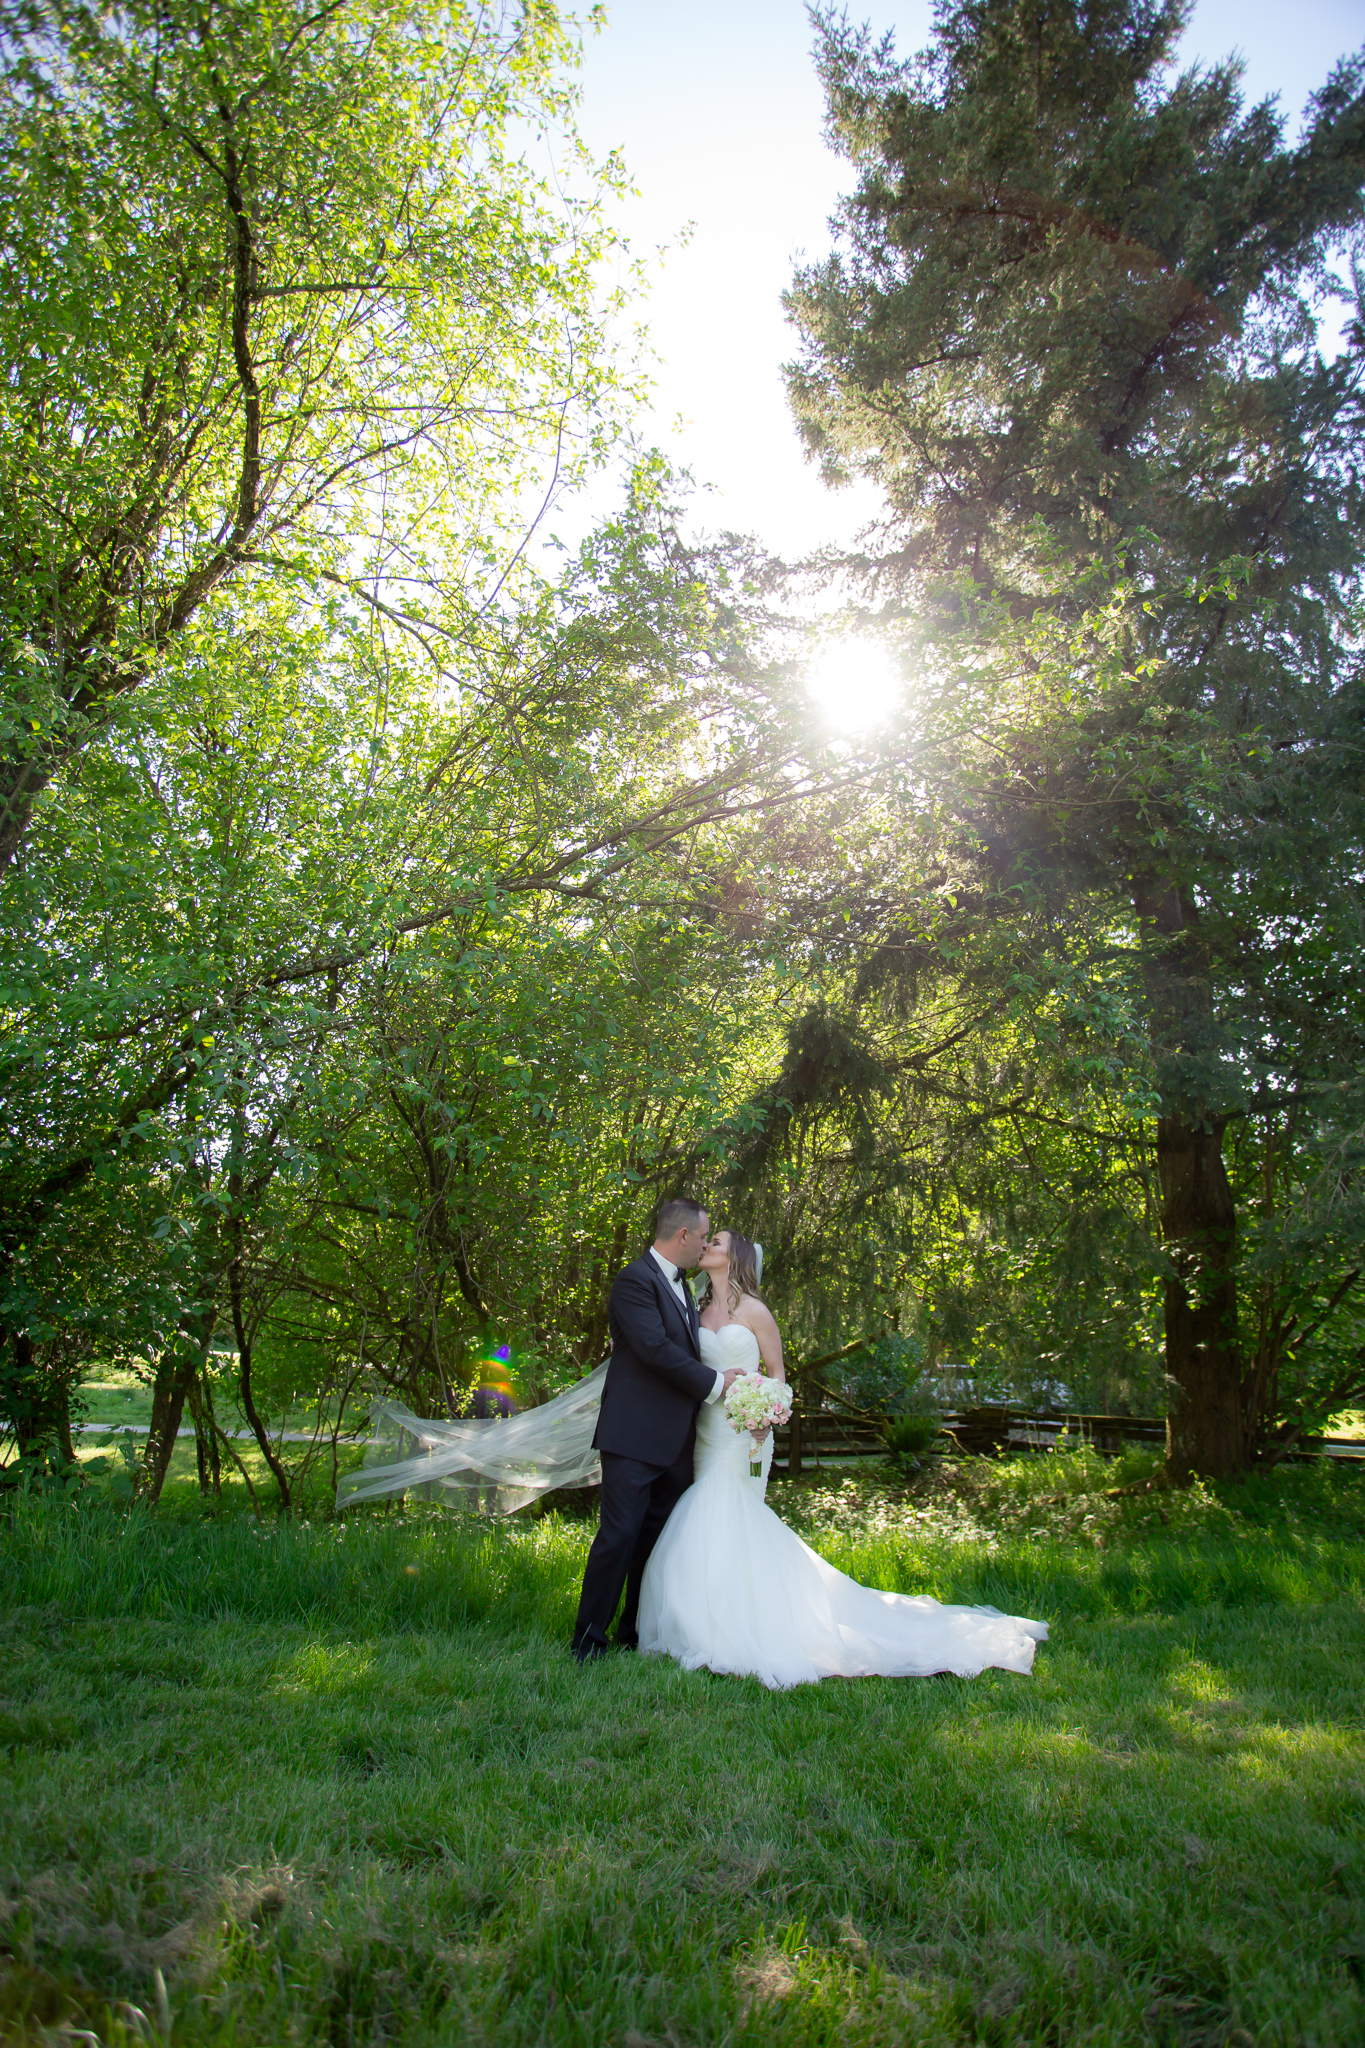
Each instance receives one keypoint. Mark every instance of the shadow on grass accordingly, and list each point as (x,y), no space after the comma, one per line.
(424,1571)
(1065,1579)
(397,1574)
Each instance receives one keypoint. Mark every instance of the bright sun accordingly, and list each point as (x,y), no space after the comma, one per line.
(855,683)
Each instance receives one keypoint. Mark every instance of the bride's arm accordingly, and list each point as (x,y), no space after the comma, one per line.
(757,1318)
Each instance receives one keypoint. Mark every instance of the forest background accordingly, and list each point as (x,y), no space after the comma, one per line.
(389,920)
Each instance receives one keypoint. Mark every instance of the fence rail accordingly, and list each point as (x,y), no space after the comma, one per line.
(821,1435)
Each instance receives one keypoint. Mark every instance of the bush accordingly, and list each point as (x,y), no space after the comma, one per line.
(884,1375)
(910,1435)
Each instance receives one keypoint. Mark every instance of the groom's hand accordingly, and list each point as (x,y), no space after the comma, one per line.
(727,1380)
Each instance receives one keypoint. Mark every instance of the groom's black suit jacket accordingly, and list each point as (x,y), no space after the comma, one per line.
(656,1381)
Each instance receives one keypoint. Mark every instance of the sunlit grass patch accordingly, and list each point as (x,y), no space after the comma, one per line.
(114,1394)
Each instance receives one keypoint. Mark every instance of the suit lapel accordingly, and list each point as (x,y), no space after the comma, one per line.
(688,1315)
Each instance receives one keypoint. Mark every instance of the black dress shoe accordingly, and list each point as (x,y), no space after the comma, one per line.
(627,1643)
(589,1652)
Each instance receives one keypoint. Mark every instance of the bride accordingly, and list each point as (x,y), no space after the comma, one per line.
(730,1587)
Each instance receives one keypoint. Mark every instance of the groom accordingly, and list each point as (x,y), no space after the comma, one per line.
(647,1427)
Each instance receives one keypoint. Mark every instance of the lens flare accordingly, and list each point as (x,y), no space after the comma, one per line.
(494,1393)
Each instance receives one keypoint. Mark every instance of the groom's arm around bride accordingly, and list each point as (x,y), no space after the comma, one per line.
(647,1427)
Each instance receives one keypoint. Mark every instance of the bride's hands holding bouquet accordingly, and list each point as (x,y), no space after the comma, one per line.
(756,1403)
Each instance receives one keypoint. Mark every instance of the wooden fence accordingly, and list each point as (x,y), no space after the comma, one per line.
(826,1430)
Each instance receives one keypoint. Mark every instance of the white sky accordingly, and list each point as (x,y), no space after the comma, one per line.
(715,107)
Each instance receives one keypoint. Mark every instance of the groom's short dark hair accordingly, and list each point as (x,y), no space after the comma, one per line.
(679,1212)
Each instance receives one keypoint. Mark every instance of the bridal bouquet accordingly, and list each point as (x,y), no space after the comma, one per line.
(751,1402)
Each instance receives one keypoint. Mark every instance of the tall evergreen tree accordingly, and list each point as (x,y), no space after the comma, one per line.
(1072,329)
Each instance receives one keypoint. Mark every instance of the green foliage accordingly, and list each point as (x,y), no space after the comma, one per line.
(384,929)
(378,1035)
(1061,279)
(280,298)
(992,1199)
(908,1435)
(289,329)
(885,1375)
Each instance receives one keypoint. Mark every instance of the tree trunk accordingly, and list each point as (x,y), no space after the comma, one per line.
(1204,1430)
(205,1442)
(258,1428)
(1204,1433)
(596,1341)
(65,1442)
(175,1374)
(200,1459)
(35,1406)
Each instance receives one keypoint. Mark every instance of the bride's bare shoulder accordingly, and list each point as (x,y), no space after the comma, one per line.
(758,1317)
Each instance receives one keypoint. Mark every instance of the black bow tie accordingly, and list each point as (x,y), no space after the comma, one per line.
(680,1276)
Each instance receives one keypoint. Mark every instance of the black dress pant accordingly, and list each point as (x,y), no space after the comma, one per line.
(637,1499)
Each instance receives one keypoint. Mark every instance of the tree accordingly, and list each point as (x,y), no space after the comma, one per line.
(964,1176)
(1072,329)
(276,296)
(308,922)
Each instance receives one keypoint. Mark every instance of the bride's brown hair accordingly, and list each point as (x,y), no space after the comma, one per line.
(742,1278)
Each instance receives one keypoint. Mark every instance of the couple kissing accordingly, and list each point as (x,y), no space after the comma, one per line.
(711,1576)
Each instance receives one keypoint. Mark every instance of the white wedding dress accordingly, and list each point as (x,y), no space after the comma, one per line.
(731,1588)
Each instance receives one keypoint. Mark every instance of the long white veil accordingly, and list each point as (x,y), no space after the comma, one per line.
(482,1467)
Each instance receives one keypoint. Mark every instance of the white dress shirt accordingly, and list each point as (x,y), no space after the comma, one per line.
(674,1279)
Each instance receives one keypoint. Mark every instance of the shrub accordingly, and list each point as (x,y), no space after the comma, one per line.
(909,1435)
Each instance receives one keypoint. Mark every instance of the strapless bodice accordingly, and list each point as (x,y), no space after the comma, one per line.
(729,1348)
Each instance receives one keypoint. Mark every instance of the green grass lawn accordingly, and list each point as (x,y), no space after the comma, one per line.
(343,1784)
